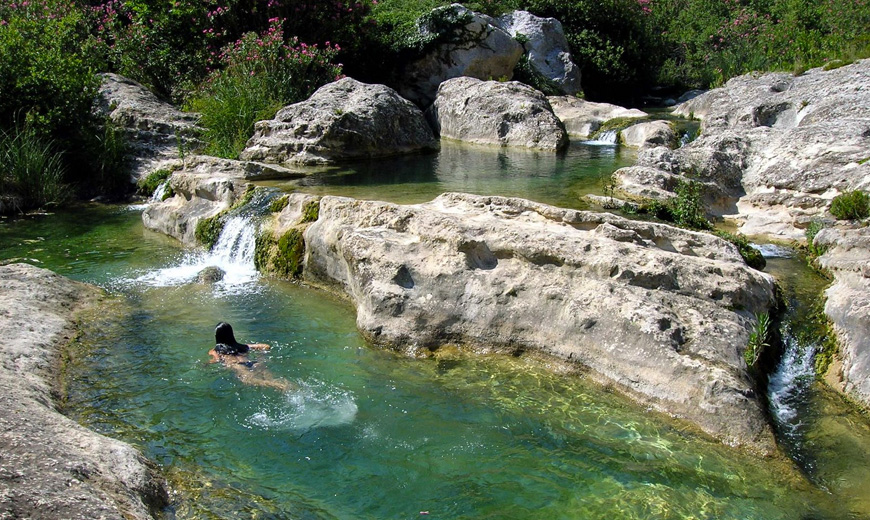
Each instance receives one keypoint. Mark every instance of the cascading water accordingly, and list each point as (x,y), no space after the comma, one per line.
(160,192)
(608,138)
(790,382)
(233,253)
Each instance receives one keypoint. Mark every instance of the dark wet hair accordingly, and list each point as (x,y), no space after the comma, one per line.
(225,341)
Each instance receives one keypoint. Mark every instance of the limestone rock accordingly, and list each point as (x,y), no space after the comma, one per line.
(155,130)
(661,312)
(205,188)
(649,134)
(546,48)
(51,466)
(780,146)
(475,47)
(583,118)
(848,304)
(496,113)
(341,121)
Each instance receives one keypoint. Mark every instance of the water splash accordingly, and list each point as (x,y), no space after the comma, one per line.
(313,405)
(790,383)
(233,254)
(608,138)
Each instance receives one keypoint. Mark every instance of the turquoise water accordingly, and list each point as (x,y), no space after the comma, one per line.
(367,433)
(558,179)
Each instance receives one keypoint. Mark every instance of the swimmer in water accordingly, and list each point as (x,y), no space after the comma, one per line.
(235,356)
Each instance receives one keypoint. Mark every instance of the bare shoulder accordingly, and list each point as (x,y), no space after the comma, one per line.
(259,346)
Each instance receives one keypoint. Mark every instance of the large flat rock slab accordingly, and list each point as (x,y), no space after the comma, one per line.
(50,466)
(662,313)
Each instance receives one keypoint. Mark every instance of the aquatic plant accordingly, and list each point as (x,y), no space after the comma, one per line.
(757,339)
(282,256)
(814,251)
(208,230)
(311,211)
(851,205)
(279,204)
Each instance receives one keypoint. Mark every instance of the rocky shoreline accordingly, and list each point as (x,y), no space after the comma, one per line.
(50,466)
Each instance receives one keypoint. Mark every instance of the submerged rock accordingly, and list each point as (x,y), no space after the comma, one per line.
(341,121)
(466,44)
(496,113)
(583,118)
(661,312)
(211,274)
(51,466)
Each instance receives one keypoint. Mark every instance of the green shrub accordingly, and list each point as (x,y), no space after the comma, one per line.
(687,207)
(261,74)
(851,205)
(148,185)
(751,256)
(32,171)
(758,338)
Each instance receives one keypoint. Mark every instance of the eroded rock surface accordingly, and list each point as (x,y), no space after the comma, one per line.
(546,48)
(779,147)
(649,134)
(661,312)
(50,466)
(155,130)
(205,188)
(496,113)
(341,121)
(848,305)
(477,47)
(583,118)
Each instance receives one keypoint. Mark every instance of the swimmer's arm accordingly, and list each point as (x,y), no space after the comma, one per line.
(215,357)
(259,346)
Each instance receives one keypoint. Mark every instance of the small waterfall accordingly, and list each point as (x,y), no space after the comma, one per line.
(160,191)
(789,385)
(233,254)
(608,138)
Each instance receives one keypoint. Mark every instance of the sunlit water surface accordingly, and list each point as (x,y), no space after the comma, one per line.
(372,434)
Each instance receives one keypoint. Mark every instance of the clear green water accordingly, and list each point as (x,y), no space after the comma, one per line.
(372,434)
(558,179)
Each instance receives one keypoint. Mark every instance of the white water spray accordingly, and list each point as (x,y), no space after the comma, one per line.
(233,254)
(789,383)
(160,191)
(607,138)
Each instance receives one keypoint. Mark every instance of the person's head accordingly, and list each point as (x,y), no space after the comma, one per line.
(225,341)
(223,333)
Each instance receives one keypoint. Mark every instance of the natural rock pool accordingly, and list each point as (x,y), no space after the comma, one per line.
(374,434)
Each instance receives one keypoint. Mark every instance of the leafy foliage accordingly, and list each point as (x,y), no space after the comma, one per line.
(32,172)
(260,73)
(851,205)
(758,338)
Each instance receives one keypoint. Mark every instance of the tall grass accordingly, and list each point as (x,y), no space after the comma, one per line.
(31,171)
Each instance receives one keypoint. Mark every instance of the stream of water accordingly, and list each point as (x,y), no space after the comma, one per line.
(371,434)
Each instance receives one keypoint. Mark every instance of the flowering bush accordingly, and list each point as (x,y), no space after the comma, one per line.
(172,50)
(258,74)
